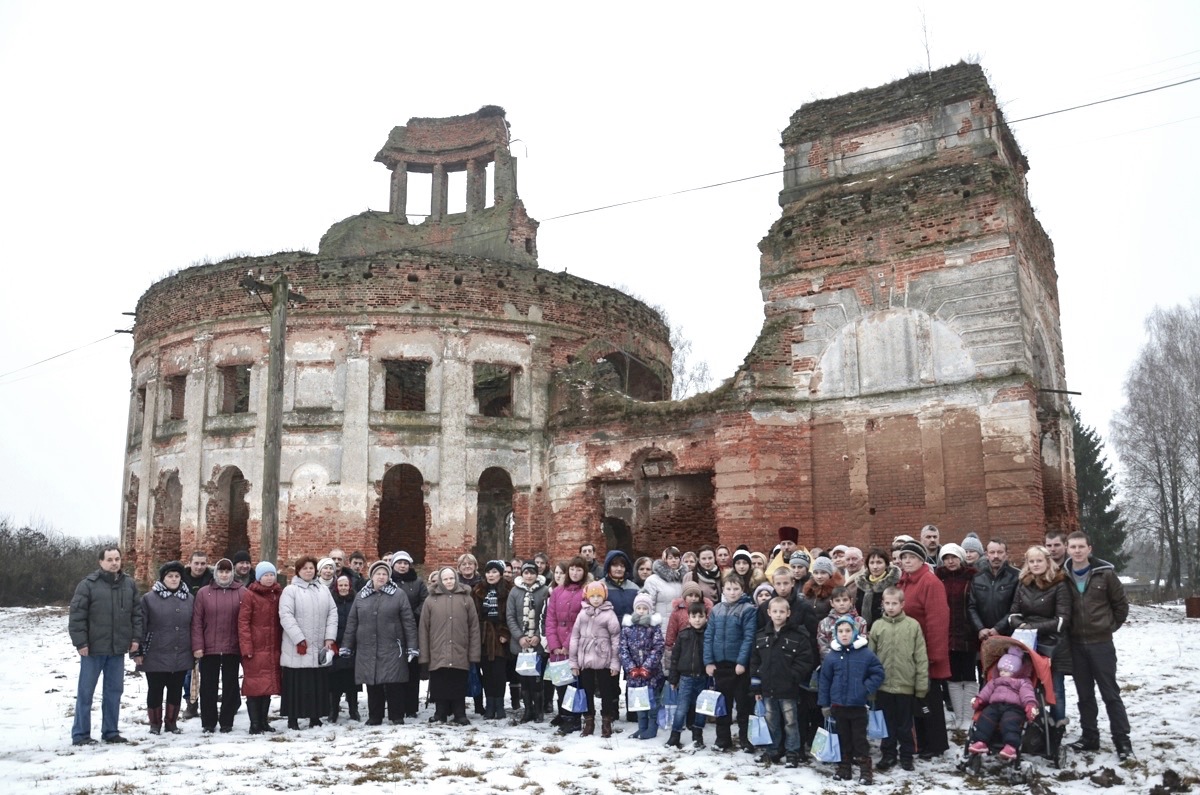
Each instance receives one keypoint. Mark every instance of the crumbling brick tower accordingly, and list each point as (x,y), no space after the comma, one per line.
(912,310)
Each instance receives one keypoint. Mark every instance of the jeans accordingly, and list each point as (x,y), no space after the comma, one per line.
(689,690)
(782,720)
(1095,665)
(1058,712)
(112,666)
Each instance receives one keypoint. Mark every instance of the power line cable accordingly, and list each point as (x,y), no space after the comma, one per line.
(57,355)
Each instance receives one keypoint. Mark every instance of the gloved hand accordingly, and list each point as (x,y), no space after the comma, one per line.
(639,673)
(1031,712)
(826,711)
(302,647)
(344,652)
(413,654)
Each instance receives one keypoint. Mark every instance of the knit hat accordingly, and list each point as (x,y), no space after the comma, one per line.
(972,544)
(379,564)
(691,587)
(762,587)
(529,565)
(743,554)
(846,619)
(322,563)
(800,558)
(1011,661)
(913,548)
(842,547)
(170,566)
(643,599)
(262,569)
(225,564)
(596,587)
(241,556)
(789,534)
(952,549)
(822,564)
(497,565)
(903,539)
(402,555)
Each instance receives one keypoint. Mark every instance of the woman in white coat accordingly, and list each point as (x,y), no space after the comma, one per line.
(308,616)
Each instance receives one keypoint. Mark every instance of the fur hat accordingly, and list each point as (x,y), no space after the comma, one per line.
(241,556)
(262,569)
(595,587)
(402,555)
(972,544)
(789,534)
(1011,661)
(691,587)
(762,587)
(643,598)
(799,557)
(913,548)
(170,566)
(952,549)
(379,564)
(823,564)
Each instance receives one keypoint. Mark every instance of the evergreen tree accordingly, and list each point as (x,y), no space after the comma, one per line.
(1098,516)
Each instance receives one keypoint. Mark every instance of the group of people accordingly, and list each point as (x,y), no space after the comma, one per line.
(794,638)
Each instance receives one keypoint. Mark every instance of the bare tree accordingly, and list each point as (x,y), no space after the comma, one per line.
(1157,437)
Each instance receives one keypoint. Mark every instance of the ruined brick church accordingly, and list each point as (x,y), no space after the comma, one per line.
(443,393)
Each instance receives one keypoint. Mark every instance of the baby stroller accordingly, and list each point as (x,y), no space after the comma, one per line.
(1036,738)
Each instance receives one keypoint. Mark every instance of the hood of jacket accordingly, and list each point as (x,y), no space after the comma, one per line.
(666,573)
(459,587)
(613,555)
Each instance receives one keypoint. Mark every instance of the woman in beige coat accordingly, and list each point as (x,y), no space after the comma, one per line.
(308,616)
(449,633)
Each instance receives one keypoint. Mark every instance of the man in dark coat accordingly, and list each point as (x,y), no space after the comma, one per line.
(104,624)
(992,589)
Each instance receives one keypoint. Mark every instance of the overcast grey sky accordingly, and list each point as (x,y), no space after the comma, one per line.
(142,138)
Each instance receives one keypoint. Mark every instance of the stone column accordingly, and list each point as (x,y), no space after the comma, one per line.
(400,192)
(356,491)
(190,474)
(450,530)
(476,186)
(438,203)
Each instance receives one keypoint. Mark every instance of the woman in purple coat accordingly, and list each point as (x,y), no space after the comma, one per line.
(562,608)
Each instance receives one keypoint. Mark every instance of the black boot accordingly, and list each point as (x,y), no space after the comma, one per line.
(843,773)
(514,695)
(1123,746)
(460,714)
(252,712)
(864,771)
(335,706)
(264,714)
(673,741)
(352,705)
(697,737)
(886,763)
(1090,741)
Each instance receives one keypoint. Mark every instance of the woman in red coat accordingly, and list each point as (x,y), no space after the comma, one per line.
(925,601)
(260,636)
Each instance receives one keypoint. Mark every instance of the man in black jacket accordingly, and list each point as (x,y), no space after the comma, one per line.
(105,624)
(992,590)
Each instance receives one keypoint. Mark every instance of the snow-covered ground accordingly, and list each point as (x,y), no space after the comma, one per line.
(1159,656)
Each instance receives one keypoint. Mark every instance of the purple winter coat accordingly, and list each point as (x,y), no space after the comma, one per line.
(562,608)
(642,647)
(595,639)
(1007,690)
(215,619)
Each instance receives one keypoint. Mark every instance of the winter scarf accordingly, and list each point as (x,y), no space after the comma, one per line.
(389,588)
(166,593)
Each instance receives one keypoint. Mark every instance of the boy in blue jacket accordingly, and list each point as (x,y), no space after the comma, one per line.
(728,640)
(850,675)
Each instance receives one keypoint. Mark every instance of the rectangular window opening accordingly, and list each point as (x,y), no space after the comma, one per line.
(456,191)
(494,389)
(404,385)
(420,196)
(489,185)
(235,389)
(176,389)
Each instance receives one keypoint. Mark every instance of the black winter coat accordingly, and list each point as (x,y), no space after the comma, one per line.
(989,598)
(687,655)
(782,660)
(1049,612)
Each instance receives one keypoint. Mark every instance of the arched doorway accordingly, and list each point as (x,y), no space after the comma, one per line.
(402,512)
(494,516)
(227,514)
(617,535)
(168,503)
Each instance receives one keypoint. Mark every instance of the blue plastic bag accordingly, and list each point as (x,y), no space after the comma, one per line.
(759,730)
(825,746)
(670,695)
(474,681)
(575,699)
(876,725)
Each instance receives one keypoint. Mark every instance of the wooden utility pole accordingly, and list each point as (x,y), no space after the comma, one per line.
(273,438)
